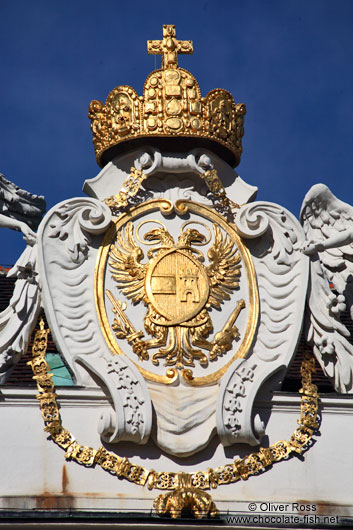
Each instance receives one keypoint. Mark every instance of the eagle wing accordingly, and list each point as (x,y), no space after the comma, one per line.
(224,268)
(125,264)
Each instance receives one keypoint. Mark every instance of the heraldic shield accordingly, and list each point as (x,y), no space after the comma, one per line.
(177,303)
(168,288)
(169,306)
(164,272)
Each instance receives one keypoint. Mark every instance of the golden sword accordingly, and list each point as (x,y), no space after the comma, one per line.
(224,338)
(132,336)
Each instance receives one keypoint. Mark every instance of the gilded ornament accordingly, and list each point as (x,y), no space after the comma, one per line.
(169,47)
(178,290)
(130,188)
(175,286)
(215,185)
(133,184)
(187,489)
(185,497)
(171,106)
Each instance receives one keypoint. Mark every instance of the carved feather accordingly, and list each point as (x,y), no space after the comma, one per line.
(125,264)
(20,204)
(328,226)
(224,268)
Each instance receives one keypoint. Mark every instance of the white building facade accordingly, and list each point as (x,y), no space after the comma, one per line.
(177,304)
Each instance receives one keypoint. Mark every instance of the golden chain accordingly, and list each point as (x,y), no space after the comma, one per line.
(240,469)
(133,183)
(130,188)
(215,185)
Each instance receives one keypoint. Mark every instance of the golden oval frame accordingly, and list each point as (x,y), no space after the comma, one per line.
(181,207)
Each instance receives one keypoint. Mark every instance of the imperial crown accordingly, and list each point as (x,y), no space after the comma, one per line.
(171,108)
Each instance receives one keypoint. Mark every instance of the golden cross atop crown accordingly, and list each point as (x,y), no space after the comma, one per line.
(171,113)
(169,47)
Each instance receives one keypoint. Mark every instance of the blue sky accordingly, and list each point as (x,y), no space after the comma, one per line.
(289,61)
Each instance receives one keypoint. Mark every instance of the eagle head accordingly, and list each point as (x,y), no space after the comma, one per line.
(190,235)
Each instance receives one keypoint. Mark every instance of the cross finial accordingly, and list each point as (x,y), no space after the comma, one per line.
(169,47)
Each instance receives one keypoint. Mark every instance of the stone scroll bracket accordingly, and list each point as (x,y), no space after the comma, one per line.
(236,421)
(68,238)
(234,406)
(68,242)
(274,238)
(131,416)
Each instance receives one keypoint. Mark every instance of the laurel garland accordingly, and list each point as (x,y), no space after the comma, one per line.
(240,469)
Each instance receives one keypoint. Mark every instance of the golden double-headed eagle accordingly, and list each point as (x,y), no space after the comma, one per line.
(178,291)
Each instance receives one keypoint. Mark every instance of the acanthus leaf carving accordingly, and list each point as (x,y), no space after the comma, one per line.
(69,238)
(75,220)
(274,239)
(172,188)
(282,272)
(236,392)
(131,417)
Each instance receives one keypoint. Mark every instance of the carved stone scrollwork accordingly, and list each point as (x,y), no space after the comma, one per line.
(171,187)
(274,239)
(196,161)
(282,272)
(233,412)
(74,220)
(68,241)
(251,221)
(131,418)
(94,218)
(148,161)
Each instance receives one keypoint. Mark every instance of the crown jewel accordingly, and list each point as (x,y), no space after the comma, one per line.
(171,108)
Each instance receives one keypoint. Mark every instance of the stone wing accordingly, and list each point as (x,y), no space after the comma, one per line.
(20,204)
(125,265)
(224,268)
(328,227)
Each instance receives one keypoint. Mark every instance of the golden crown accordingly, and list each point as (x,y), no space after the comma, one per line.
(171,111)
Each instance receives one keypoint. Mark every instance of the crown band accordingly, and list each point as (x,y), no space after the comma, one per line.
(171,107)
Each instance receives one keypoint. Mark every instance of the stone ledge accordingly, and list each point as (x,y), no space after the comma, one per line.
(71,396)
